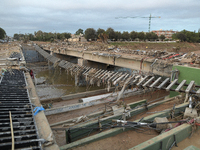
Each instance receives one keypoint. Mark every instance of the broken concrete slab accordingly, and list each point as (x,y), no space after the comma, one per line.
(190,112)
(84,94)
(99,97)
(86,104)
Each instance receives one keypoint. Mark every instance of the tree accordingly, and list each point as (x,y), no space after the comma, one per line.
(67,35)
(46,36)
(103,36)
(162,37)
(16,36)
(133,35)
(148,36)
(151,36)
(60,36)
(30,36)
(181,36)
(154,36)
(99,31)
(79,31)
(141,36)
(188,36)
(111,33)
(174,36)
(125,35)
(39,35)
(90,33)
(25,40)
(192,36)
(2,33)
(19,36)
(118,35)
(199,32)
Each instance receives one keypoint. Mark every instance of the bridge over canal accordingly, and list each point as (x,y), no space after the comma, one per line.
(136,62)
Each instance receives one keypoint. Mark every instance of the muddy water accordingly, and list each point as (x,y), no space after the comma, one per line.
(58,83)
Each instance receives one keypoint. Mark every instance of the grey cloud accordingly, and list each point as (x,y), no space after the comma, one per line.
(69,15)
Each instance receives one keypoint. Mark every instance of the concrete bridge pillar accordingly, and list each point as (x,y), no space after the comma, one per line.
(76,80)
(82,62)
(92,64)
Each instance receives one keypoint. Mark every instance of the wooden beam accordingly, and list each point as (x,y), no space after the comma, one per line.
(12,134)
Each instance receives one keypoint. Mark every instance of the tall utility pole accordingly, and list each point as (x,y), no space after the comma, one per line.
(140,17)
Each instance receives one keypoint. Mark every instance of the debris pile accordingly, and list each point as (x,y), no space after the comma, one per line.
(189,58)
(162,124)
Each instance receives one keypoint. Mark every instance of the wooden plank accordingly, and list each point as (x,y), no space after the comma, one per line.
(12,134)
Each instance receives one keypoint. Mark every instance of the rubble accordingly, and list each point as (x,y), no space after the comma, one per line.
(189,58)
(190,113)
(161,127)
(139,80)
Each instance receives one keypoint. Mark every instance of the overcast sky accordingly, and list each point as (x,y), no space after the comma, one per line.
(27,16)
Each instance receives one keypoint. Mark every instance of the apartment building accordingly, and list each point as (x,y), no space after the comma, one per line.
(167,33)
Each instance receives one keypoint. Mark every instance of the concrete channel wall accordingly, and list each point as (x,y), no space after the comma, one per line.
(104,122)
(42,123)
(115,131)
(165,140)
(31,55)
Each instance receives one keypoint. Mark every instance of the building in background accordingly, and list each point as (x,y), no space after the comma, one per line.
(77,38)
(167,33)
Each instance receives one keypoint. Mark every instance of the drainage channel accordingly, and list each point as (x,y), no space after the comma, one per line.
(14,98)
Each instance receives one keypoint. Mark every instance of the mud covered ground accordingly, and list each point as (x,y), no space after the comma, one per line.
(60,135)
(131,138)
(54,82)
